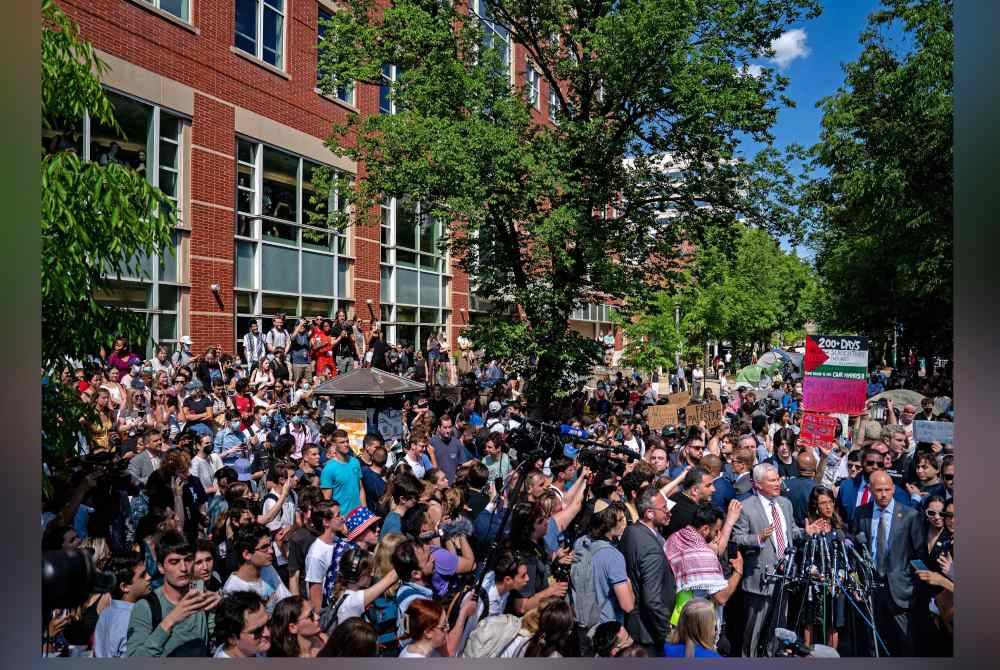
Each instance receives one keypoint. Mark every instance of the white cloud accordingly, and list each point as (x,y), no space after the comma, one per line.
(754,70)
(788,47)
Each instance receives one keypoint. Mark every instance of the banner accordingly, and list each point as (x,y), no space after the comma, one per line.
(934,431)
(709,412)
(817,429)
(659,416)
(836,374)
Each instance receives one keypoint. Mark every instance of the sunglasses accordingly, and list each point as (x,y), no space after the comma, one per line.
(931,514)
(878,463)
(948,477)
(948,515)
(853,466)
(256,633)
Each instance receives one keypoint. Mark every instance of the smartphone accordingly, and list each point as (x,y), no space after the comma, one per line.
(919,565)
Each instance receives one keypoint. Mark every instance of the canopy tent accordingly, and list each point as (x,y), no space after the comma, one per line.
(780,356)
(368,382)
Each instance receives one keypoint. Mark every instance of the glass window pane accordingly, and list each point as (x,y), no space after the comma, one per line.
(428,262)
(244,151)
(245,265)
(168,261)
(428,235)
(318,194)
(168,183)
(406,314)
(280,268)
(122,294)
(406,335)
(279,232)
(246,25)
(406,258)
(317,239)
(342,279)
(428,316)
(385,285)
(406,219)
(430,293)
(314,307)
(176,7)
(280,177)
(168,327)
(244,304)
(135,148)
(272,37)
(280,304)
(406,286)
(244,178)
(317,274)
(385,312)
(168,154)
(167,299)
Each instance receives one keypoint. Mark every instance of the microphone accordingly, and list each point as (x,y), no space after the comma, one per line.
(822,555)
(580,433)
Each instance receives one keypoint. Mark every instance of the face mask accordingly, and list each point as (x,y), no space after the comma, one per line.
(305,387)
(298,420)
(265,421)
(235,425)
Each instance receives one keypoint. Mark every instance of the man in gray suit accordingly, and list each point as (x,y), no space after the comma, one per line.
(766,528)
(143,465)
(893,535)
(653,581)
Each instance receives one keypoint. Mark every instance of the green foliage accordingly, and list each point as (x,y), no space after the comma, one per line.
(97,221)
(881,216)
(527,202)
(745,295)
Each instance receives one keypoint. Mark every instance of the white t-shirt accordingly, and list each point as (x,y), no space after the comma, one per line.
(318,561)
(284,519)
(205,469)
(406,653)
(353,605)
(418,468)
(269,587)
(498,603)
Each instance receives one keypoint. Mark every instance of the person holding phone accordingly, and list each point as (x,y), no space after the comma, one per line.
(938,543)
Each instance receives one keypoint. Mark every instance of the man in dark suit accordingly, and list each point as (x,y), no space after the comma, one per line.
(724,491)
(894,535)
(799,488)
(743,461)
(856,492)
(647,567)
(765,529)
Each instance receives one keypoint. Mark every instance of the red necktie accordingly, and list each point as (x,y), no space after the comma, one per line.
(865,497)
(779,535)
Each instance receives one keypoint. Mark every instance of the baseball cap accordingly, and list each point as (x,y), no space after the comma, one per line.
(494,407)
(186,339)
(138,385)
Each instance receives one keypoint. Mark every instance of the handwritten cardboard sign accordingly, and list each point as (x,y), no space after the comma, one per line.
(679,399)
(817,429)
(709,412)
(659,416)
(934,431)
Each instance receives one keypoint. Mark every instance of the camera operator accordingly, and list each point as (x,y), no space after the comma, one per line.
(528,525)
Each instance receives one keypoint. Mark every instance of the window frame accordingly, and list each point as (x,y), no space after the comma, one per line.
(533,86)
(347,93)
(258,52)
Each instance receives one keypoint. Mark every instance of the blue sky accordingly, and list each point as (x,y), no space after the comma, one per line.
(812,60)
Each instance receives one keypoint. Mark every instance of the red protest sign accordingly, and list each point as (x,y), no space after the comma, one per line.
(823,394)
(817,429)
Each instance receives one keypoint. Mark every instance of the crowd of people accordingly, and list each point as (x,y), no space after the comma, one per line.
(238,519)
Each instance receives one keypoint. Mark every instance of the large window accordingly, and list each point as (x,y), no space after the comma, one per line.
(386,104)
(260,30)
(342,91)
(495,36)
(289,259)
(414,297)
(532,85)
(179,8)
(553,104)
(150,142)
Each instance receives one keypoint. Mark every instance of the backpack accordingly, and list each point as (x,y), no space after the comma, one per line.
(583,597)
(382,614)
(328,615)
(406,594)
(492,636)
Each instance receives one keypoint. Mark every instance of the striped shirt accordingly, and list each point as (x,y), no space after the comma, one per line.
(253,348)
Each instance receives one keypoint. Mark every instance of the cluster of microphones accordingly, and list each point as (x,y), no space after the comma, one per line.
(829,560)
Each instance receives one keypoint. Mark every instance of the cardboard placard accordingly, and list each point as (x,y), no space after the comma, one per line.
(934,431)
(679,399)
(709,412)
(817,429)
(659,416)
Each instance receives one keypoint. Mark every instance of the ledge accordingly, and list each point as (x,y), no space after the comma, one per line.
(258,62)
(337,101)
(166,15)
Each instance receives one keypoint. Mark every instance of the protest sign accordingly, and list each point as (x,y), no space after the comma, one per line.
(817,429)
(659,416)
(836,370)
(679,398)
(709,412)
(934,431)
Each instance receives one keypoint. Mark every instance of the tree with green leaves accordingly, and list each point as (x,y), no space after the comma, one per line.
(545,217)
(881,215)
(98,221)
(745,296)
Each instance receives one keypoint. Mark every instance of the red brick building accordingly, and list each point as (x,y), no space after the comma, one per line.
(220,107)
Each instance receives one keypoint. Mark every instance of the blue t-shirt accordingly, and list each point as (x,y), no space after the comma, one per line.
(608,569)
(393,523)
(344,482)
(552,537)
(677,651)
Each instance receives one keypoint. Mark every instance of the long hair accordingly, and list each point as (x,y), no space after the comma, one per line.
(696,626)
(283,642)
(556,631)
(813,506)
(352,637)
(383,559)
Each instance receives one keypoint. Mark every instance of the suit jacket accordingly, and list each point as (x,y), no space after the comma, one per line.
(653,581)
(847,497)
(743,484)
(799,489)
(907,541)
(724,492)
(141,467)
(757,557)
